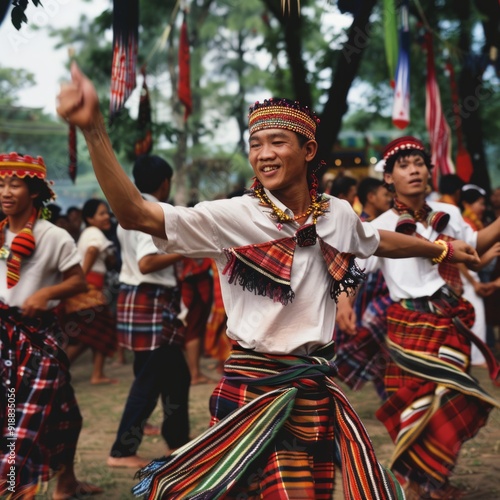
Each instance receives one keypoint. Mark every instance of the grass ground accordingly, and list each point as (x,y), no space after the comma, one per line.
(477,471)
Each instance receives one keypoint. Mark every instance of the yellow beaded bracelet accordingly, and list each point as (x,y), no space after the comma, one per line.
(444,253)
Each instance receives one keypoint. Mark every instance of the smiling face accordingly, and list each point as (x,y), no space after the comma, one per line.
(15,197)
(101,219)
(409,176)
(278,159)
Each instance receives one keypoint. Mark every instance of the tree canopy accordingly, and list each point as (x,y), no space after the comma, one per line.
(332,61)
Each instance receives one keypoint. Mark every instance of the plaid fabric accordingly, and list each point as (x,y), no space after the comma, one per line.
(363,357)
(94,327)
(147,317)
(125,48)
(197,295)
(277,424)
(434,405)
(217,344)
(449,271)
(47,418)
(265,268)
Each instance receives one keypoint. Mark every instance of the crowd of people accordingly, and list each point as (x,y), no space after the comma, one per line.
(286,284)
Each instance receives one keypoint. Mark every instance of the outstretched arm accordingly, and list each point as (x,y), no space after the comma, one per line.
(78,104)
(399,246)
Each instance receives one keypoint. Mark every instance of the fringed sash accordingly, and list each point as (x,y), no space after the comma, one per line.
(209,466)
(265,268)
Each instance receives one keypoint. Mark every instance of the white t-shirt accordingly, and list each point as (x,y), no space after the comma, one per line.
(134,246)
(417,277)
(54,254)
(93,237)
(254,321)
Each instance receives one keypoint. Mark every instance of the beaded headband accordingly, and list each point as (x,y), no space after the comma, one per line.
(24,166)
(406,142)
(283,114)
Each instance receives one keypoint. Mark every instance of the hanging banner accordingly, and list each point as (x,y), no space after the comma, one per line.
(464,165)
(125,47)
(401,105)
(390,38)
(437,127)
(184,86)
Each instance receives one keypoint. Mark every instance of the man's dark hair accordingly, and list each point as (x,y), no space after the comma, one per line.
(342,184)
(450,184)
(149,172)
(39,187)
(366,186)
(405,153)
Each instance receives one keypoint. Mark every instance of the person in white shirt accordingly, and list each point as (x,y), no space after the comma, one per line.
(39,266)
(148,324)
(433,404)
(90,312)
(285,252)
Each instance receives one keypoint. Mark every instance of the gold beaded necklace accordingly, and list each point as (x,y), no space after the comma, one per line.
(316,208)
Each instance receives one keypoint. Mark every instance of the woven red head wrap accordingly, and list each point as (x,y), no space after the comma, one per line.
(405,142)
(284,114)
(25,166)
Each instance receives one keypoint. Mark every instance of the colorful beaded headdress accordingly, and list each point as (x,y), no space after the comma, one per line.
(397,145)
(284,114)
(25,166)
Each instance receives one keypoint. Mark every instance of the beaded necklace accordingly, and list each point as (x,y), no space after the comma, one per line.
(317,207)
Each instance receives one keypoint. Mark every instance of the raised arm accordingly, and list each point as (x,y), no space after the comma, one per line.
(399,246)
(78,105)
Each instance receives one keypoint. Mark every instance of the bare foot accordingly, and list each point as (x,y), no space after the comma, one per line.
(133,462)
(151,430)
(78,489)
(202,380)
(103,381)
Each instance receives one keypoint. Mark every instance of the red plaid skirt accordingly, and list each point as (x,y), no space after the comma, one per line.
(197,295)
(429,419)
(39,415)
(146,317)
(94,327)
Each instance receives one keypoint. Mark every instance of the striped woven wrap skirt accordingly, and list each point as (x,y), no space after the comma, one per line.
(39,417)
(279,424)
(434,405)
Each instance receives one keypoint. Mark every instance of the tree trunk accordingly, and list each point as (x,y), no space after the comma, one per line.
(345,73)
(472,97)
